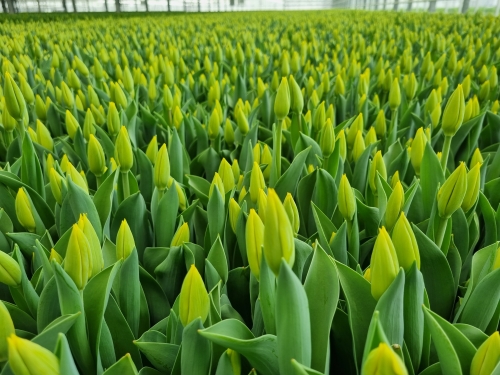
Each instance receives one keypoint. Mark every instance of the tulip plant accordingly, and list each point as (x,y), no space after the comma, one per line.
(255,193)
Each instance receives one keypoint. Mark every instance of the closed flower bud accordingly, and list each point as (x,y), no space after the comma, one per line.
(432,101)
(43,136)
(76,177)
(242,121)
(256,182)
(40,108)
(417,150)
(296,98)
(395,204)
(473,184)
(411,87)
(256,153)
(359,146)
(213,125)
(380,124)
(495,107)
(194,301)
(342,144)
(123,150)
(236,170)
(113,120)
(81,67)
(327,141)
(466,85)
(96,158)
(228,132)
(451,195)
(14,100)
(152,150)
(88,124)
(24,211)
(95,246)
(56,185)
(292,212)
(54,255)
(266,158)
(29,358)
(384,264)
(226,175)
(78,261)
(454,112)
(282,101)
(178,118)
(6,330)
(262,204)
(476,109)
(484,90)
(8,122)
(254,235)
(383,361)
(319,116)
(10,273)
(405,243)
(476,158)
(357,125)
(278,234)
(435,116)
(234,212)
(377,166)
(346,199)
(26,90)
(339,87)
(181,235)
(487,356)
(73,80)
(162,168)
(125,243)
(217,182)
(394,95)
(67,95)
(71,124)
(371,136)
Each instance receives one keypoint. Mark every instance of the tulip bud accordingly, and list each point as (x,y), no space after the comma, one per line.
(476,158)
(417,150)
(383,361)
(181,235)
(380,124)
(267,158)
(242,121)
(10,273)
(234,212)
(346,199)
(152,150)
(473,184)
(405,243)
(6,330)
(88,124)
(377,165)
(217,181)
(327,141)
(73,80)
(67,95)
(384,264)
(213,125)
(254,234)
(236,170)
(78,261)
(342,144)
(71,124)
(451,195)
(484,90)
(95,246)
(43,136)
(278,234)
(256,182)
(395,204)
(394,95)
(319,116)
(359,146)
(226,175)
(435,116)
(453,113)
(371,137)
(76,177)
(411,86)
(28,358)
(81,67)
(54,255)
(14,100)
(228,132)
(495,107)
(26,90)
(292,212)
(56,185)
(339,87)
(194,301)
(296,98)
(96,158)
(162,169)
(125,242)
(8,122)
(24,210)
(282,101)
(123,151)
(487,356)
(357,125)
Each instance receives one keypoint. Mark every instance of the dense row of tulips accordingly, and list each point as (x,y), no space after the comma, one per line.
(263,193)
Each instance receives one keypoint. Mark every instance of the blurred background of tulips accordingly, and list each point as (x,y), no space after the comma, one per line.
(250,193)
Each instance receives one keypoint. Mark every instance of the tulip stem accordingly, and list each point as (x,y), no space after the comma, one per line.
(125,185)
(100,180)
(160,195)
(277,154)
(446,152)
(441,230)
(9,137)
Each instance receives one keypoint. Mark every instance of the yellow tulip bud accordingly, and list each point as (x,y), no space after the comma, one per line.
(217,181)
(88,124)
(54,255)
(254,235)
(193,299)
(342,144)
(67,95)
(476,158)
(178,118)
(181,235)
(451,195)
(73,80)
(327,141)
(81,67)
(6,330)
(405,243)
(278,234)
(152,150)
(473,184)
(358,147)
(339,87)
(487,356)
(228,132)
(76,177)
(71,124)
(8,122)
(282,101)
(213,125)
(28,358)
(377,165)
(296,98)
(78,261)
(125,242)
(417,150)
(10,273)
(292,212)
(26,90)
(394,95)
(162,168)
(242,121)
(380,124)
(256,182)
(96,158)
(267,158)
(234,212)
(262,204)
(346,199)
(454,112)
(357,125)
(14,100)
(384,264)
(226,175)
(56,185)
(123,150)
(383,361)
(95,246)
(411,86)
(43,136)
(24,211)
(395,204)
(484,90)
